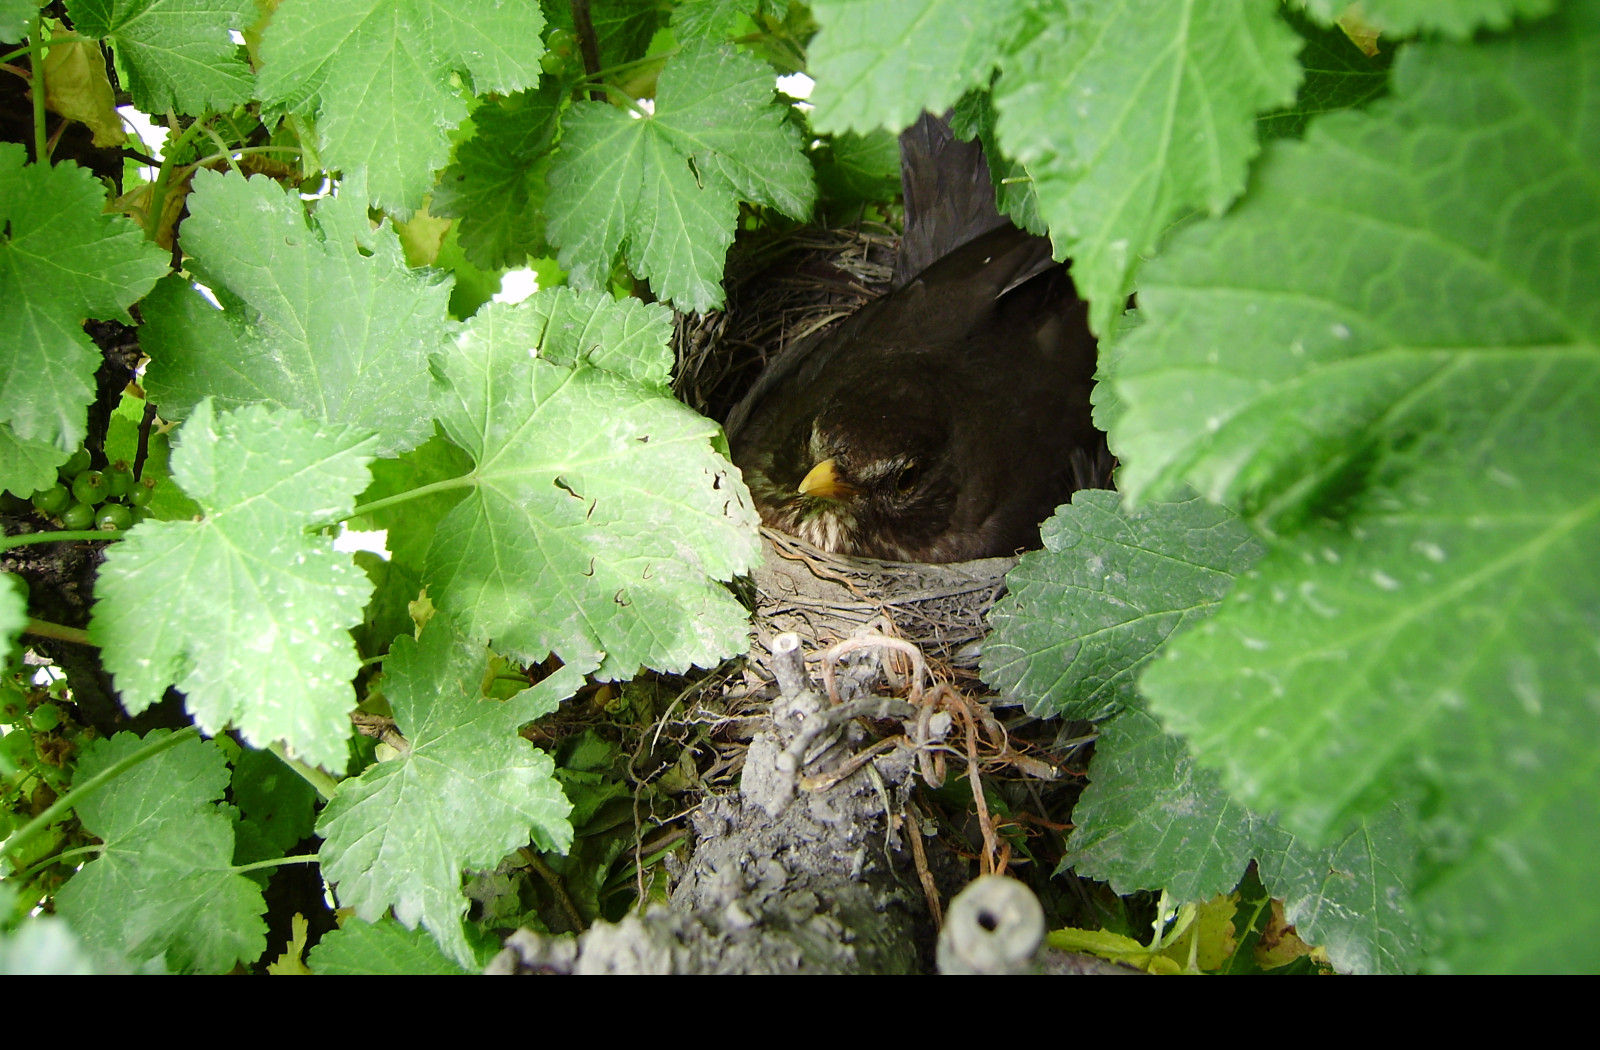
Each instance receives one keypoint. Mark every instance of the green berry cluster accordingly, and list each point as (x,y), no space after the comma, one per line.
(95,499)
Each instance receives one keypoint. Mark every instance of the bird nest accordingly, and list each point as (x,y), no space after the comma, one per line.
(783,287)
(829,597)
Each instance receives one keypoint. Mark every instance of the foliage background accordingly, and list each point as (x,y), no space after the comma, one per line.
(1341,621)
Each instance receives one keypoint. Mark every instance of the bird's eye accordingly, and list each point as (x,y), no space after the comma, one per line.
(905,482)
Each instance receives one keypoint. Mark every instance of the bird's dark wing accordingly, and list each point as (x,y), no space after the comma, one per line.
(949,202)
(947,301)
(941,422)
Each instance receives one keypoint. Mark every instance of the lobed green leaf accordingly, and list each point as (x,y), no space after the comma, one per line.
(1390,356)
(245,612)
(1457,18)
(880,63)
(666,187)
(178,54)
(164,882)
(466,791)
(1129,115)
(377,74)
(1152,818)
(61,259)
(384,947)
(321,316)
(496,186)
(600,520)
(1083,617)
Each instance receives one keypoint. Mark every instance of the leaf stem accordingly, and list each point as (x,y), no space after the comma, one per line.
(1249,927)
(41,140)
(308,146)
(464,481)
(239,151)
(325,785)
(158,189)
(91,787)
(273,862)
(224,152)
(657,58)
(557,887)
(631,102)
(63,536)
(11,56)
(59,858)
(60,632)
(588,45)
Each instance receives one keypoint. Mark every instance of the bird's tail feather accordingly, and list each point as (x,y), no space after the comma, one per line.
(949,195)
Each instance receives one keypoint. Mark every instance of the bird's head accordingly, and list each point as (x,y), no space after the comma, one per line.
(875,484)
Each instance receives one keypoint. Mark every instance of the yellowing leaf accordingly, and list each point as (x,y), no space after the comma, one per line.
(76,87)
(1280,944)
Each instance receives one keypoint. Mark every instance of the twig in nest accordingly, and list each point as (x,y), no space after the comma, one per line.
(947,697)
(793,758)
(925,876)
(855,762)
(830,661)
(814,558)
(921,706)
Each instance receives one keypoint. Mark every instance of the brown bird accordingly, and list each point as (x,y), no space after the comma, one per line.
(946,420)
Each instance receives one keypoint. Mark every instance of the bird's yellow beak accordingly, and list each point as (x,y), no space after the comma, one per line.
(823,480)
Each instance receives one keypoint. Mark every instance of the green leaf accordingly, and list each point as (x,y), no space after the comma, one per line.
(410,526)
(497,184)
(467,791)
(178,54)
(624,336)
(860,168)
(380,948)
(1338,77)
(1135,113)
(1457,18)
(473,286)
(273,798)
(713,19)
(378,74)
(1083,616)
(245,612)
(601,520)
(880,63)
(13,611)
(27,466)
(16,18)
(1153,819)
(666,187)
(164,881)
(411,523)
(324,317)
(1391,355)
(61,260)
(1421,184)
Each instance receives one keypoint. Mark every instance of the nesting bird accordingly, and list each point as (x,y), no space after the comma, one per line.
(944,421)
